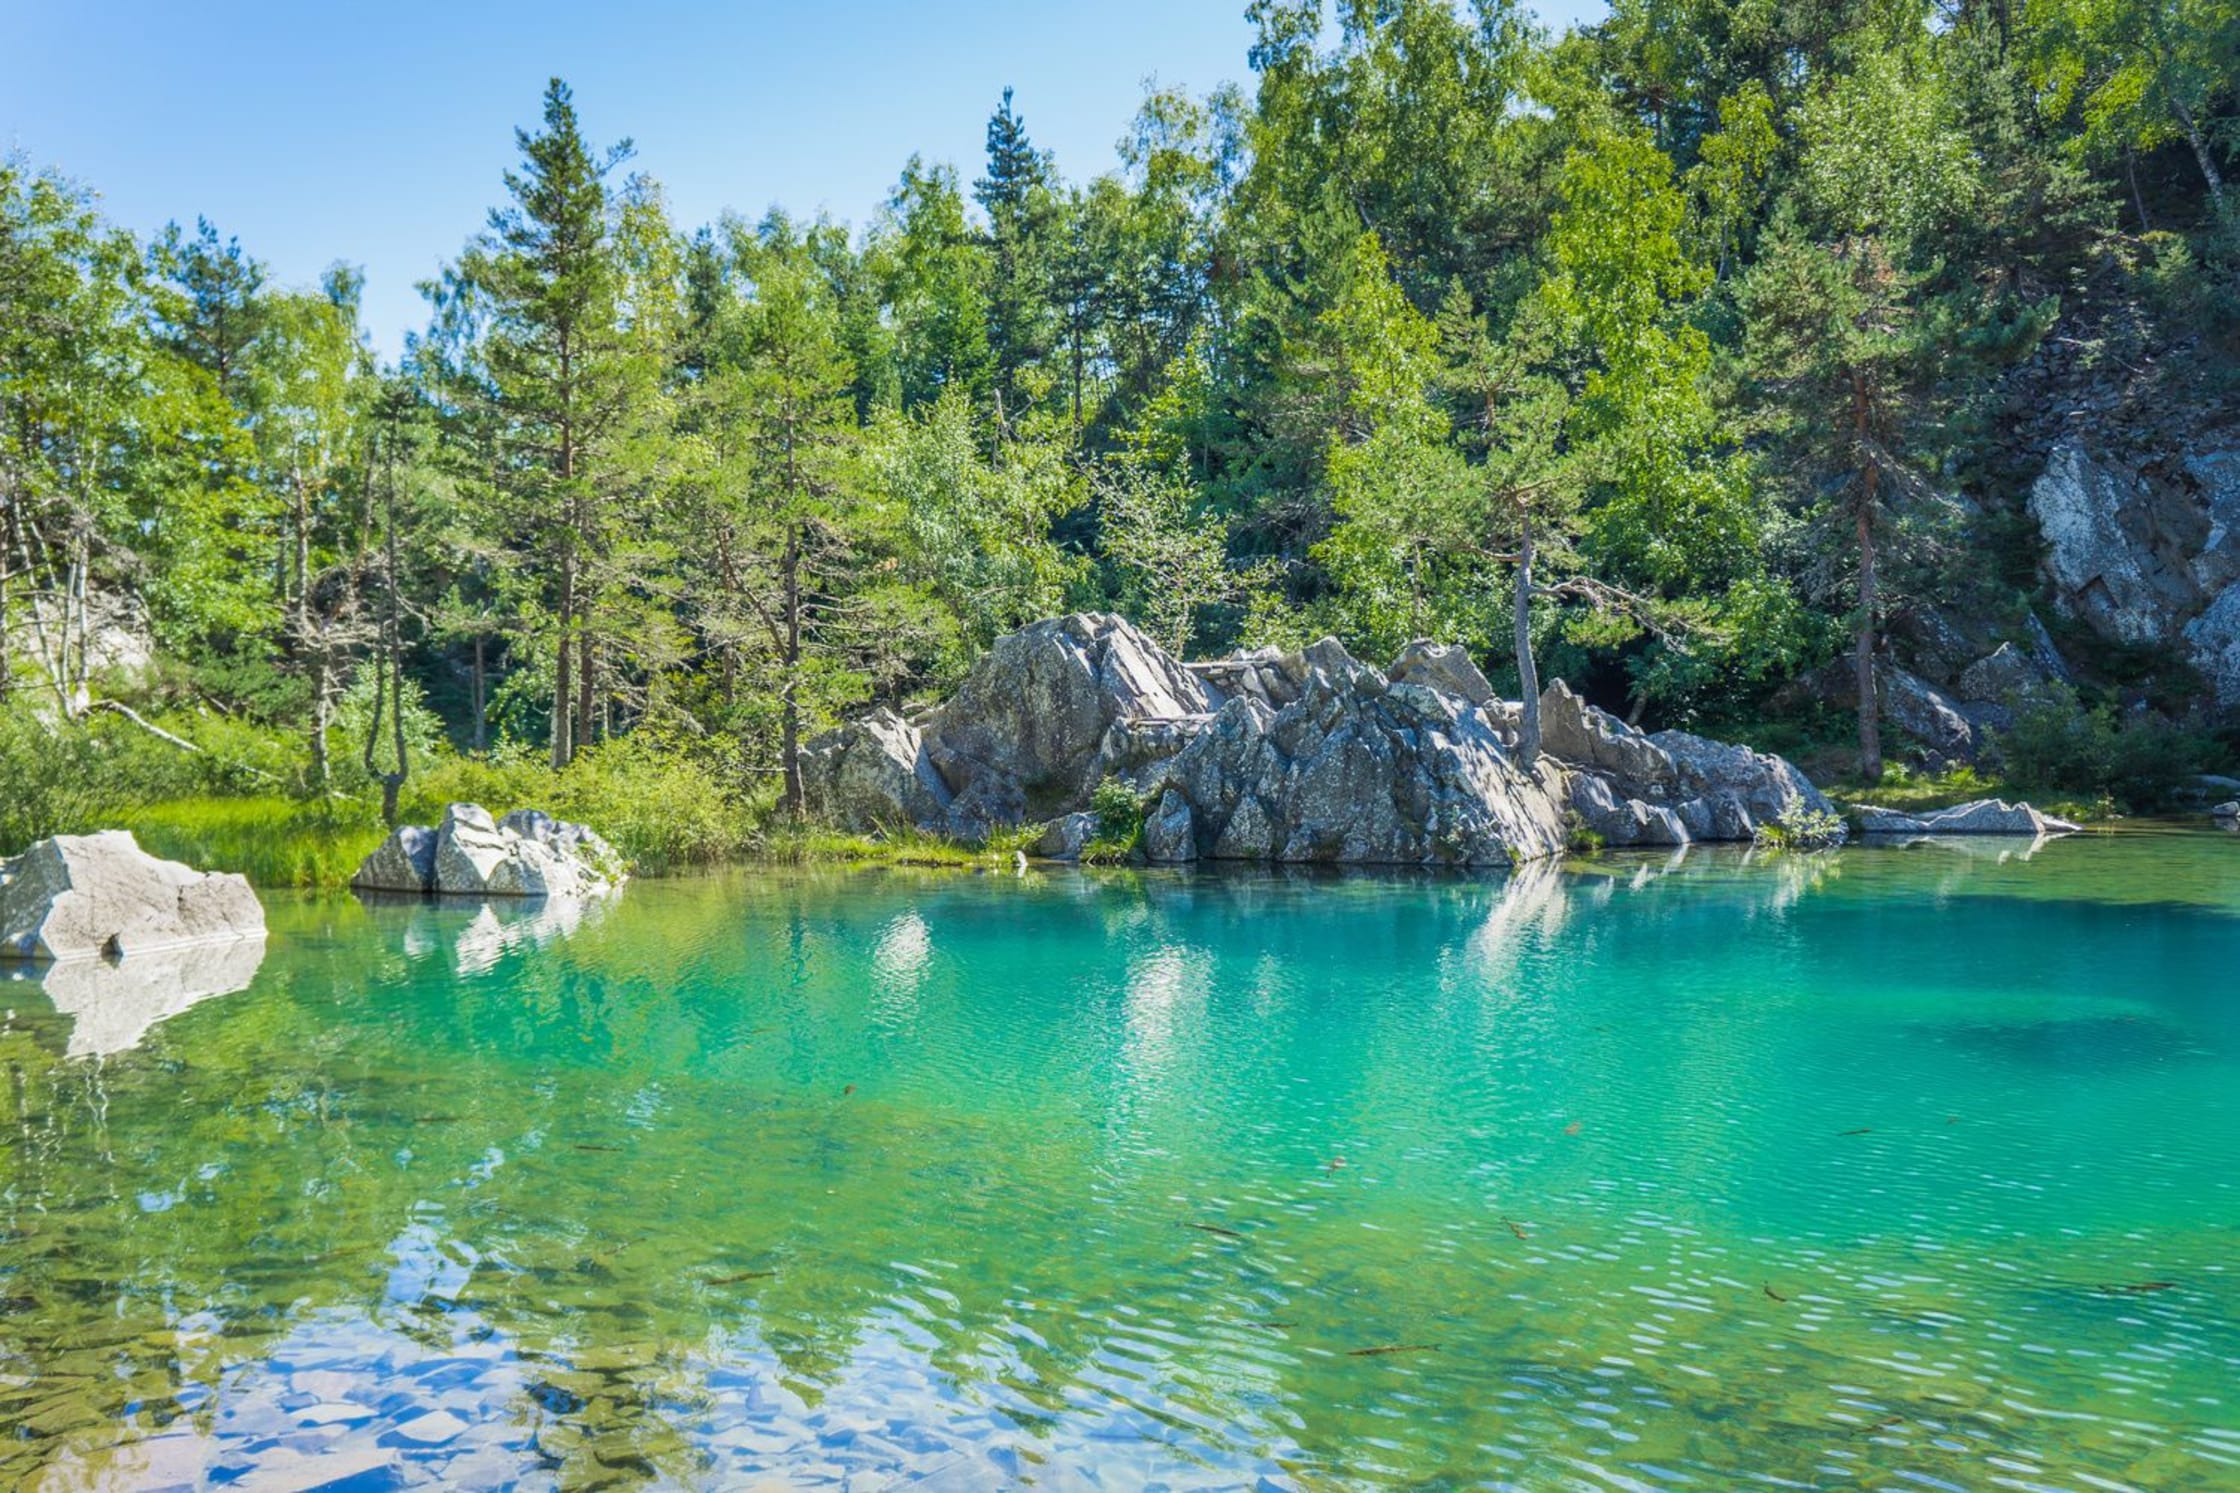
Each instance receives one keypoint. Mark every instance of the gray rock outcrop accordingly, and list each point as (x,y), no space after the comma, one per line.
(1669,788)
(1355,769)
(405,862)
(79,896)
(1930,716)
(1053,710)
(527,854)
(873,774)
(2148,552)
(1305,756)
(1984,816)
(1442,666)
(1065,837)
(2004,675)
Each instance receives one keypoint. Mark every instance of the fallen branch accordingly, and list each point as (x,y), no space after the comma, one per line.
(147,725)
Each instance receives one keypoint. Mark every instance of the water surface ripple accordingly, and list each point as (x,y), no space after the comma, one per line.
(1897,1167)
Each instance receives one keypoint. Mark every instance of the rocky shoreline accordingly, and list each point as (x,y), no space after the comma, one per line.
(1310,756)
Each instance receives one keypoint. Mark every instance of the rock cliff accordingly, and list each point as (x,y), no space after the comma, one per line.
(2147,550)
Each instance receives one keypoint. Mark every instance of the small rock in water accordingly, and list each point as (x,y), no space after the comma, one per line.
(432,1429)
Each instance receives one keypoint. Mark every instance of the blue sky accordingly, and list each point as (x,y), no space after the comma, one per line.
(319,132)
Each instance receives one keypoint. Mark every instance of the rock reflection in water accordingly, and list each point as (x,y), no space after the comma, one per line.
(476,934)
(113,1003)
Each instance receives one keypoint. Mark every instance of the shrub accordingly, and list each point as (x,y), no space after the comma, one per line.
(2058,746)
(54,780)
(1119,810)
(1800,828)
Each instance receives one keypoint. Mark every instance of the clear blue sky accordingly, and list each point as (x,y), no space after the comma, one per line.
(319,131)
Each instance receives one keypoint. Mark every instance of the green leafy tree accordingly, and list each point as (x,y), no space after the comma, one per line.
(2140,72)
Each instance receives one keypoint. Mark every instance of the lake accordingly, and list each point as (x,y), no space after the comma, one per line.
(1911,1166)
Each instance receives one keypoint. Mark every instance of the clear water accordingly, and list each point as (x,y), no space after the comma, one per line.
(1891,1168)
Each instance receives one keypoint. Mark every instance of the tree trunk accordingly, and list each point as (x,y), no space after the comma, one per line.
(563,689)
(1870,712)
(2131,174)
(481,698)
(1528,673)
(587,683)
(796,800)
(320,694)
(2201,154)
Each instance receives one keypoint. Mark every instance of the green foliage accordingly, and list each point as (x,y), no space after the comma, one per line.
(2058,745)
(52,783)
(1118,837)
(1661,349)
(275,842)
(1800,828)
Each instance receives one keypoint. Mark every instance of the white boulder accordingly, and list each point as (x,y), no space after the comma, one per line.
(78,896)
(527,854)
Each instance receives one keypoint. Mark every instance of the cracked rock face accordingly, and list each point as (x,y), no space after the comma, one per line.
(1669,788)
(1307,756)
(1355,770)
(527,854)
(1053,710)
(2149,553)
(873,774)
(82,896)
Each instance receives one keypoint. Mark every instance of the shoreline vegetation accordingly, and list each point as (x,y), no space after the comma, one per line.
(1861,389)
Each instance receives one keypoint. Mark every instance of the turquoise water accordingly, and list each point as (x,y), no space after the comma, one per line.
(1886,1168)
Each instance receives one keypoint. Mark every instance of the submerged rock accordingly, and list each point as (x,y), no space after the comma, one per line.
(77,896)
(528,854)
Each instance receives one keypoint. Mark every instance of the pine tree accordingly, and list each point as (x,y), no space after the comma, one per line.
(558,369)
(1016,196)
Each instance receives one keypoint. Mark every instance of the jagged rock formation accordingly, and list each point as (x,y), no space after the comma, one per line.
(1311,756)
(526,854)
(78,896)
(1985,816)
(1669,788)
(1353,767)
(2147,550)
(1055,709)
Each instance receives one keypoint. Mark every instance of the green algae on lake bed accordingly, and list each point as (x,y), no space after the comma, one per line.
(1878,1166)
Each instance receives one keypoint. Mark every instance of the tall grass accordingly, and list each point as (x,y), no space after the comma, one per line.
(275,842)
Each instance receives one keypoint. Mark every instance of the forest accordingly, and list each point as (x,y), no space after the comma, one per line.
(1695,357)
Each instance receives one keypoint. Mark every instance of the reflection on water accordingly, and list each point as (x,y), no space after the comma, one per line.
(111,1004)
(1868,1168)
(474,933)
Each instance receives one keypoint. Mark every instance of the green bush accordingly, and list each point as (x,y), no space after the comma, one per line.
(2056,745)
(1800,828)
(1119,811)
(52,781)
